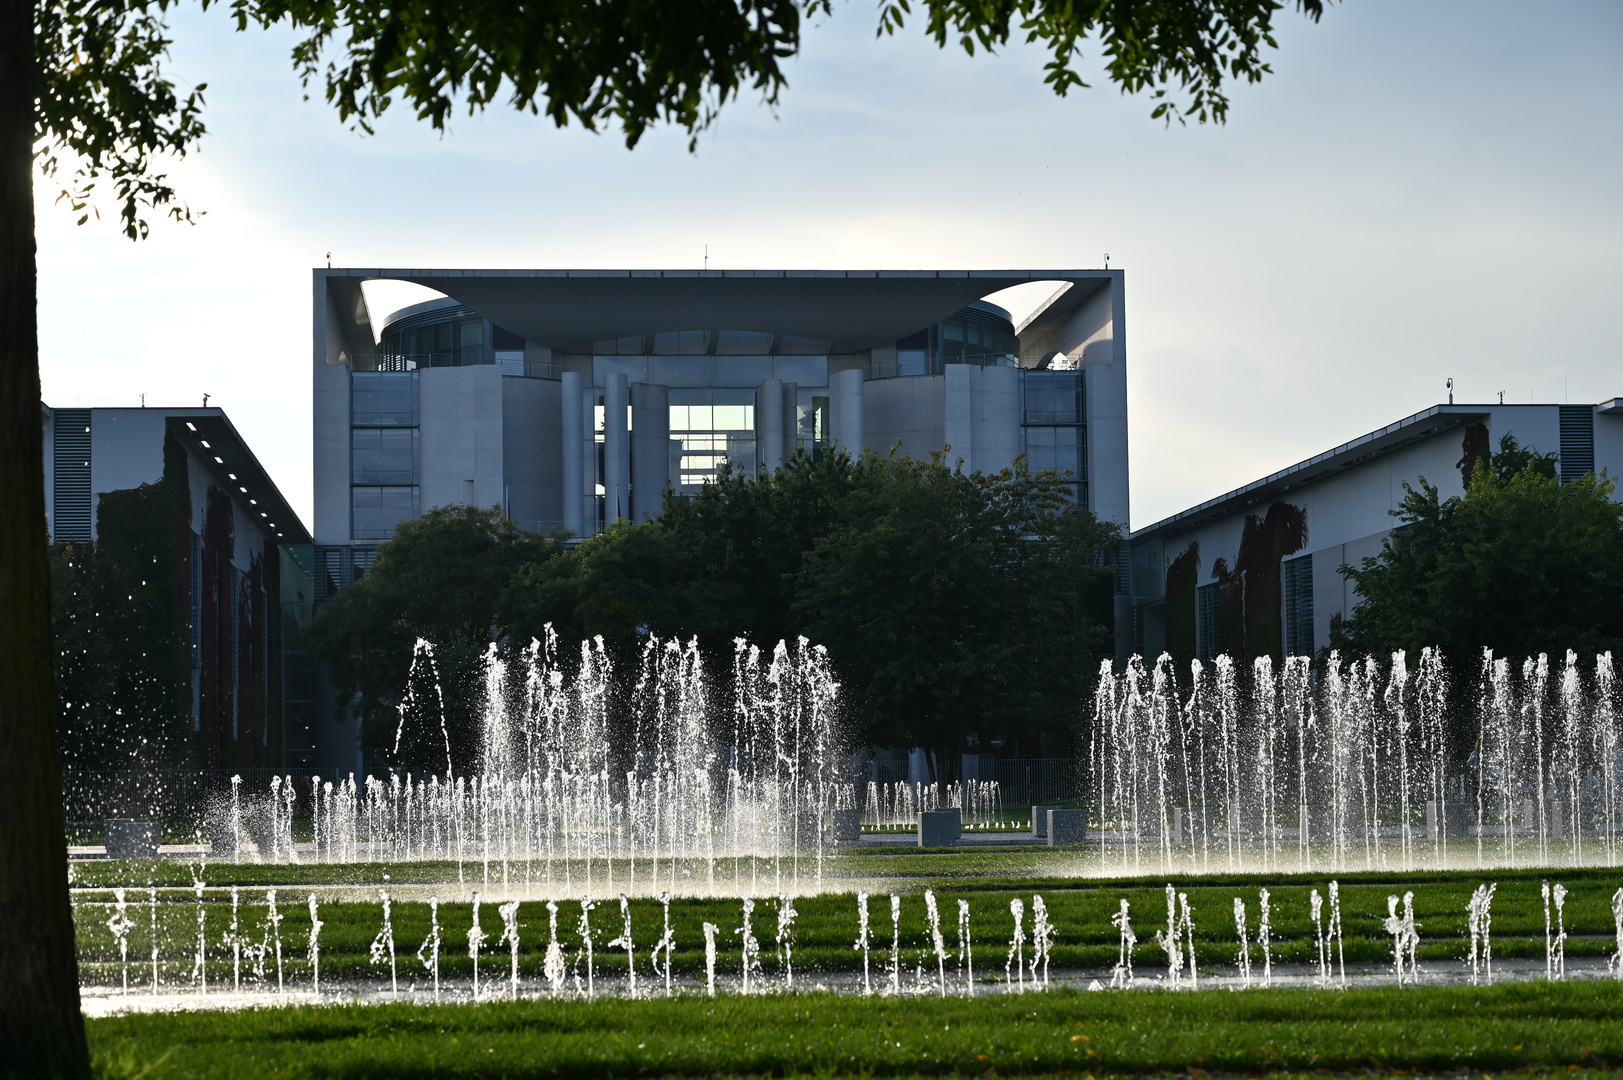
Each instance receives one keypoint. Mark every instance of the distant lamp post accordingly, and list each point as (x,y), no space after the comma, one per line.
(1451,391)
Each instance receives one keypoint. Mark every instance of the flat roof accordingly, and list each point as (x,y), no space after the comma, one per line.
(852,310)
(1405,432)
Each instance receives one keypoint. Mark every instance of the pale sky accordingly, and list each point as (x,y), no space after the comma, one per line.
(1422,190)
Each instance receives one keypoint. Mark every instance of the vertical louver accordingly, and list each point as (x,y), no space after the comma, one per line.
(1577,441)
(70,502)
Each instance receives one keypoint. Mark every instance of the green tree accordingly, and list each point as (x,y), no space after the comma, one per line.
(82,83)
(1521,564)
(957,605)
(438,579)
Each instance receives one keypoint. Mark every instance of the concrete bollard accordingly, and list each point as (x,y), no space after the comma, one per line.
(127,839)
(1066,828)
(1039,820)
(940,828)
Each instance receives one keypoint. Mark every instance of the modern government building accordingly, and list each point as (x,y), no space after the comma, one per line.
(574,398)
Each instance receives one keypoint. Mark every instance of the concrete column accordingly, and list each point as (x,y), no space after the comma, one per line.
(650,448)
(997,419)
(791,416)
(574,448)
(616,451)
(963,387)
(845,418)
(768,427)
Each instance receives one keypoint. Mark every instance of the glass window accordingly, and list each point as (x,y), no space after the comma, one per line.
(1053,397)
(383,455)
(748,371)
(375,511)
(803,370)
(912,362)
(679,370)
(383,399)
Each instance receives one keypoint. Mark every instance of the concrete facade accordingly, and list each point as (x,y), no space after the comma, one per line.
(1338,505)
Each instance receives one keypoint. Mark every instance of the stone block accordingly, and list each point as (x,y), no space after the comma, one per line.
(1039,820)
(1066,828)
(127,839)
(846,826)
(940,828)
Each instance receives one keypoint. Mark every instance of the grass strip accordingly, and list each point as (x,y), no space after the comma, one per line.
(1528,1026)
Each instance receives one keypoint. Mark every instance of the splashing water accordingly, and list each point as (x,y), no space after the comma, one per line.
(233,941)
(1335,931)
(584,929)
(1265,937)
(936,940)
(1171,940)
(1615,963)
(509,914)
(120,924)
(864,939)
(966,951)
(1316,911)
(200,964)
(313,950)
(152,900)
(895,944)
(1479,921)
(1121,976)
(1555,947)
(786,940)
(751,947)
(383,945)
(1042,941)
(1405,938)
(710,929)
(624,941)
(666,945)
(1014,967)
(476,938)
(553,966)
(1186,922)
(273,929)
(429,951)
(1243,957)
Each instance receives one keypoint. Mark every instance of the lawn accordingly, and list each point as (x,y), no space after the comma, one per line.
(1523,1027)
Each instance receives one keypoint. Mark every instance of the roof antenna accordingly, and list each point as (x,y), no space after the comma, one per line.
(1501,397)
(707,256)
(1451,391)
(329,260)
(143,401)
(205,401)
(1107,260)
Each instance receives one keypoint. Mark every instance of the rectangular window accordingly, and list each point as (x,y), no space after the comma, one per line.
(1053,397)
(375,511)
(383,455)
(1296,581)
(383,399)
(1206,639)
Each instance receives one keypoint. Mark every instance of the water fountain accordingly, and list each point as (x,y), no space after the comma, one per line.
(1042,941)
(1121,976)
(864,939)
(751,948)
(1171,940)
(624,941)
(584,929)
(430,945)
(933,918)
(476,938)
(1616,961)
(786,940)
(966,952)
(509,914)
(666,945)
(710,929)
(382,949)
(553,968)
(1405,938)
(895,945)
(1555,945)
(1243,957)
(1017,944)
(313,953)
(1479,923)
(1265,936)
(120,924)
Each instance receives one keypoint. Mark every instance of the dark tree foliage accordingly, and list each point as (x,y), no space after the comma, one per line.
(1521,564)
(952,605)
(438,579)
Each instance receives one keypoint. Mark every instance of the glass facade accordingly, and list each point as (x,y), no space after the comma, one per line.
(711,434)
(1055,431)
(384,442)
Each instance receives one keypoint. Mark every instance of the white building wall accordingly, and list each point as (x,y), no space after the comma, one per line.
(461,447)
(532,452)
(910,409)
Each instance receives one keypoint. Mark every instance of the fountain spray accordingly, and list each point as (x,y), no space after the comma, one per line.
(234,939)
(1186,923)
(1616,961)
(1243,957)
(476,938)
(1121,976)
(1559,960)
(666,945)
(751,947)
(966,951)
(1316,909)
(200,967)
(1017,944)
(152,899)
(509,913)
(786,939)
(1171,940)
(553,967)
(863,940)
(273,929)
(431,945)
(1264,938)
(1042,940)
(314,948)
(1335,931)
(710,929)
(120,924)
(1479,920)
(584,928)
(895,944)
(624,942)
(383,945)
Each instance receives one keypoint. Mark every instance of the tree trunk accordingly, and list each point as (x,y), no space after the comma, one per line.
(41,1029)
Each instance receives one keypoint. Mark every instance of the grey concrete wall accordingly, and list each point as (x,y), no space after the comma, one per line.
(329,404)
(769,425)
(909,409)
(1609,442)
(962,387)
(532,453)
(997,420)
(462,440)
(571,432)
(846,409)
(616,450)
(650,448)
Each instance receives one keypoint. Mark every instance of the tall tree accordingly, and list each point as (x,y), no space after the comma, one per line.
(82,86)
